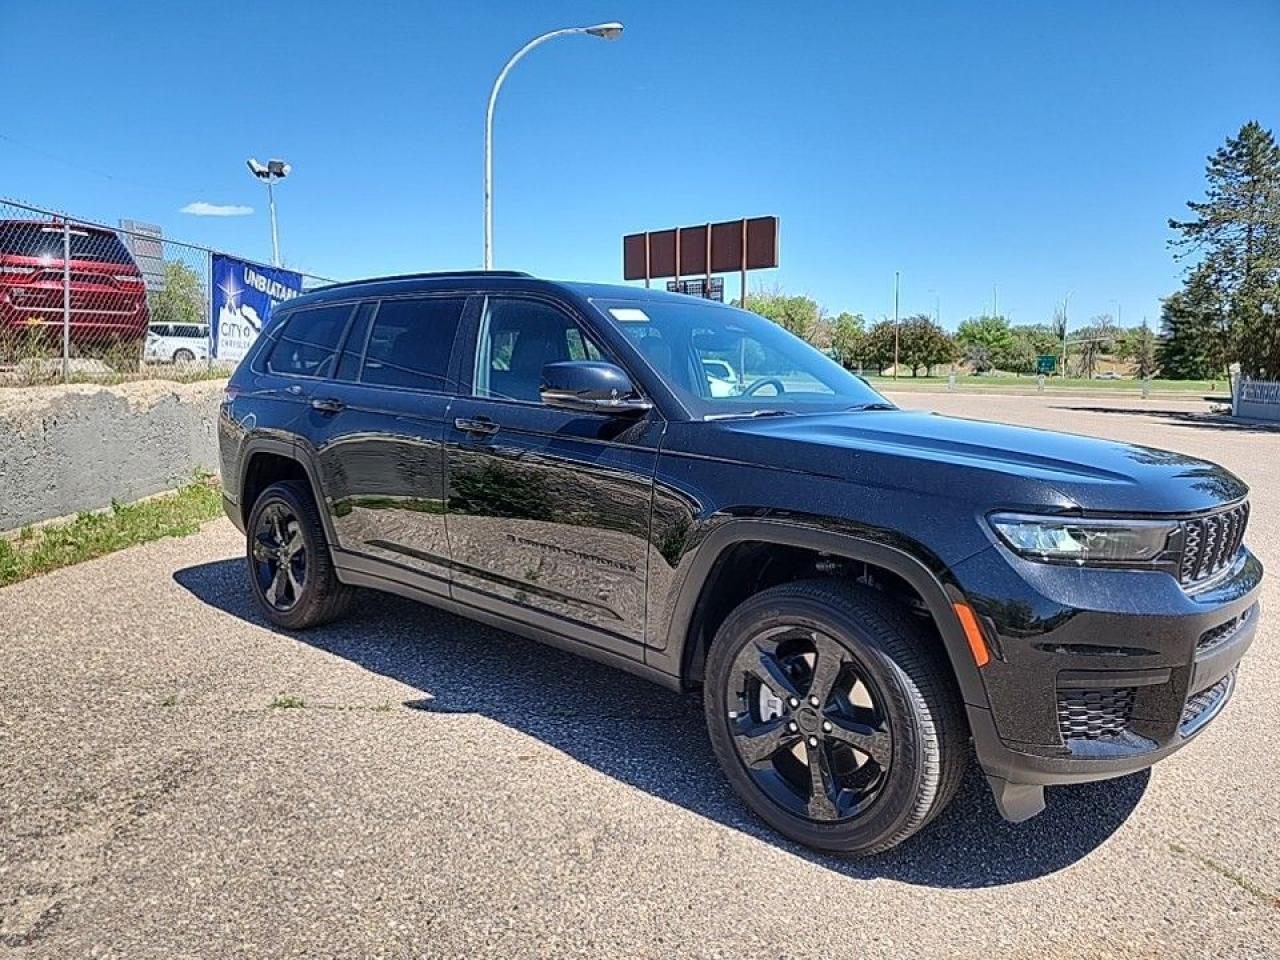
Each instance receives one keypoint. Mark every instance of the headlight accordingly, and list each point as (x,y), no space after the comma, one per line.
(1084,540)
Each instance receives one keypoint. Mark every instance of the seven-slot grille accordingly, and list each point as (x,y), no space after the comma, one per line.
(1209,544)
(1094,714)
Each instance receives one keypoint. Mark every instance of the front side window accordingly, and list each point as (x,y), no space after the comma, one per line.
(517,339)
(309,342)
(722,361)
(411,342)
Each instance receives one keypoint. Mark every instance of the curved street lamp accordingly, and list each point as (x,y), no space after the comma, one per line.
(606,31)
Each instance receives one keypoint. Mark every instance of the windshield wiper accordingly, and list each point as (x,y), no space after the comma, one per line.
(876,405)
(751,413)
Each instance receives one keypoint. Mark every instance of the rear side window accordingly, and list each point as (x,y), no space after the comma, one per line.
(308,345)
(411,342)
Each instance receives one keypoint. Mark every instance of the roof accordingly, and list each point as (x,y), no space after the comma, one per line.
(497,280)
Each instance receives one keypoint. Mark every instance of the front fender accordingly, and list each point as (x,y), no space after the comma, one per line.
(938,596)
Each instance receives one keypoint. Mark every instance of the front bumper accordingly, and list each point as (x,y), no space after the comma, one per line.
(1098,673)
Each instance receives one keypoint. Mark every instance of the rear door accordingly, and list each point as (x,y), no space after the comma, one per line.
(378,434)
(548,509)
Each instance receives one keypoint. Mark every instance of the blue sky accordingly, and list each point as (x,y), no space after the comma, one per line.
(1037,147)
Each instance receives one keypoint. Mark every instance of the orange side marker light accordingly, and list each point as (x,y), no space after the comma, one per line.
(973,633)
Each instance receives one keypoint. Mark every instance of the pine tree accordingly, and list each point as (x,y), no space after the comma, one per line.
(1235,233)
(1192,342)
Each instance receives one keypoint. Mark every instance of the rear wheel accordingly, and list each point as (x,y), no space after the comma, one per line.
(290,567)
(834,716)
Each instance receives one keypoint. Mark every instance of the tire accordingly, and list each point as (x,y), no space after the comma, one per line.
(889,735)
(288,561)
(183,355)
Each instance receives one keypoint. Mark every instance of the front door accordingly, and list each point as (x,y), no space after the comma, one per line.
(548,510)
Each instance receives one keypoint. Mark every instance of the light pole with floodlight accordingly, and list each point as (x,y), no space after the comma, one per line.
(606,31)
(269,173)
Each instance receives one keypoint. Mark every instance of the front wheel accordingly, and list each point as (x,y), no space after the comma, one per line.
(834,715)
(290,567)
(183,355)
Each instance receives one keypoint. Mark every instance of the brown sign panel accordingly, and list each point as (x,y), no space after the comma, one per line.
(693,251)
(727,249)
(726,246)
(762,243)
(634,252)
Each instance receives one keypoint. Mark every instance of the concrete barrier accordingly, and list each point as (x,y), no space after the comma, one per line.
(64,449)
(1256,400)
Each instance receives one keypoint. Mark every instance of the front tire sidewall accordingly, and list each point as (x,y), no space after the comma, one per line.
(897,804)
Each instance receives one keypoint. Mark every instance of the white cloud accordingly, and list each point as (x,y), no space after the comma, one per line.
(201,209)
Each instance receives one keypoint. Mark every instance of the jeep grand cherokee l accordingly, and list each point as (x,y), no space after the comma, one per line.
(865,595)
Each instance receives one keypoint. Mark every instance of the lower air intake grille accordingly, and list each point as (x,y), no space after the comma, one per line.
(1094,714)
(1200,703)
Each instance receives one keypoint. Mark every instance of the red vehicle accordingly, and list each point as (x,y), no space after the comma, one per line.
(108,296)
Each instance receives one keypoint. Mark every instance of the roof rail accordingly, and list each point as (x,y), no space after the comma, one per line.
(440,274)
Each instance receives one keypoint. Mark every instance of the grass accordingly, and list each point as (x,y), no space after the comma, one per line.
(1028,382)
(287,701)
(36,550)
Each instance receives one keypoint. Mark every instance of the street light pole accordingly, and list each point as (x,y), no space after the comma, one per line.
(1065,301)
(895,325)
(269,173)
(275,234)
(606,31)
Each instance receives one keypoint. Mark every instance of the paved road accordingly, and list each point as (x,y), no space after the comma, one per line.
(451,791)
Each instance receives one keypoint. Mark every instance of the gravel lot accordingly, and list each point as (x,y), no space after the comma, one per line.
(448,790)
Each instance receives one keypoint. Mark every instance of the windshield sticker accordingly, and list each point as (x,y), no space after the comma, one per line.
(629,315)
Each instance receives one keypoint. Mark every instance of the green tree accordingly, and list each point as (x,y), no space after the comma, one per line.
(1140,346)
(1234,236)
(877,346)
(1021,354)
(923,344)
(986,341)
(1191,344)
(797,314)
(183,299)
(847,338)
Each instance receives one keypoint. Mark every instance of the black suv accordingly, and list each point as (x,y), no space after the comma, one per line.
(686,491)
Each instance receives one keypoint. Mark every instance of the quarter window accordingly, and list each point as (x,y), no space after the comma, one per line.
(309,342)
(411,342)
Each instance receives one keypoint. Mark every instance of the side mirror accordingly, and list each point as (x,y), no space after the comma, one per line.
(591,386)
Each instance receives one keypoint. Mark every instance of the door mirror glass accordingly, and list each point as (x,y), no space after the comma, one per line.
(591,386)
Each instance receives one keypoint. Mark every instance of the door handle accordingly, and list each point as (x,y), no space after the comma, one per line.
(327,404)
(478,425)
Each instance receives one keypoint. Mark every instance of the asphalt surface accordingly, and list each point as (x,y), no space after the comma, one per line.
(448,790)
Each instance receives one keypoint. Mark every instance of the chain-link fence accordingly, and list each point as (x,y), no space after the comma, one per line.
(82,301)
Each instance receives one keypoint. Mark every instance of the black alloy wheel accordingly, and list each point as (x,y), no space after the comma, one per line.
(280,556)
(834,714)
(808,723)
(290,566)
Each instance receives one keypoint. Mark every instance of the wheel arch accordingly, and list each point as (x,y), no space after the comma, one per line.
(275,450)
(686,641)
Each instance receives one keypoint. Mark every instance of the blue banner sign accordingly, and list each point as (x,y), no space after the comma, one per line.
(244,295)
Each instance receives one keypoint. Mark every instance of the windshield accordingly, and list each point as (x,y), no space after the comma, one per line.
(722,361)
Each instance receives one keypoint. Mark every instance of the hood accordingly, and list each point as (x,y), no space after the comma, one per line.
(895,447)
